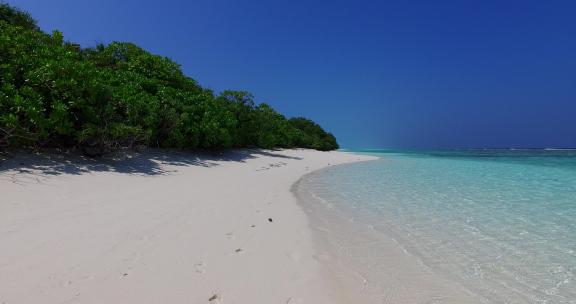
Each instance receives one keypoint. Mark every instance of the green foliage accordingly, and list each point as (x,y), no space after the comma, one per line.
(16,17)
(312,135)
(54,93)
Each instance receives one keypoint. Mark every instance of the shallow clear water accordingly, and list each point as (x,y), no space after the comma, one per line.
(500,223)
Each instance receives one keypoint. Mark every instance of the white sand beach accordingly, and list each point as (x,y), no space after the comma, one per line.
(161,227)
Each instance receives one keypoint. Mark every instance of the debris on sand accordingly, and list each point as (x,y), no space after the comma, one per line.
(213,298)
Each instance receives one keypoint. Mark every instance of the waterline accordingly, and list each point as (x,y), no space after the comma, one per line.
(497,224)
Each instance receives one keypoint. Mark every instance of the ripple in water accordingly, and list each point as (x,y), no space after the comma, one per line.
(501,224)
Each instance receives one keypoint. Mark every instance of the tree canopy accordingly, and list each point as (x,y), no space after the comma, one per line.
(54,93)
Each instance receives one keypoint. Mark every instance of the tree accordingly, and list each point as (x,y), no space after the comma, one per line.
(17,17)
(55,93)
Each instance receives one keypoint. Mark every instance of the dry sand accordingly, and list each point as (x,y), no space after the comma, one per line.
(161,228)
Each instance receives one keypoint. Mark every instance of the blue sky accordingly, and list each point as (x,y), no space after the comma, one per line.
(392,74)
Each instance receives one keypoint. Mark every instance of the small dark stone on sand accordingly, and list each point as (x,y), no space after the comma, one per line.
(270,220)
(125,274)
(238,250)
(212,298)
(252,226)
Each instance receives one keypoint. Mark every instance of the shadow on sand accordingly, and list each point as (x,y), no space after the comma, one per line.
(150,162)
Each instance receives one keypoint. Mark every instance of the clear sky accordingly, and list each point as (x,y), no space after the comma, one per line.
(393,74)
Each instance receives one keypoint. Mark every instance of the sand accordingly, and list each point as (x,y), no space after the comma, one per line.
(161,227)
(374,266)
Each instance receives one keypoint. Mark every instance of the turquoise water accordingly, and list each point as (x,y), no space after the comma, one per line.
(500,223)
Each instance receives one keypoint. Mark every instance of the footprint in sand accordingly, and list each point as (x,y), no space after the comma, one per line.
(272,165)
(200,267)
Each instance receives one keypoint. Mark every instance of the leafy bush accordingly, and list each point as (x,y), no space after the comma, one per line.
(17,17)
(54,93)
(312,135)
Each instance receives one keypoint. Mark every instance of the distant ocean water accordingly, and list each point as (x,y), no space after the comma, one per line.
(500,223)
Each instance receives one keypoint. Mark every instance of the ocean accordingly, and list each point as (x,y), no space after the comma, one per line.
(499,224)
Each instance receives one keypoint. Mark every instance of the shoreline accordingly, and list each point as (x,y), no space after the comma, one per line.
(339,277)
(161,226)
(351,249)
